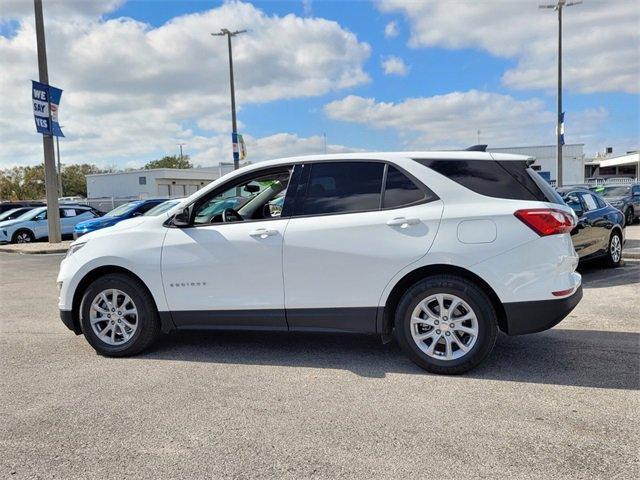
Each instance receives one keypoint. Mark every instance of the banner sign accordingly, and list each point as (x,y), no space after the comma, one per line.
(239,148)
(46,99)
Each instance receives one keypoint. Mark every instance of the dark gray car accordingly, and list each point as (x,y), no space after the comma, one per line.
(625,198)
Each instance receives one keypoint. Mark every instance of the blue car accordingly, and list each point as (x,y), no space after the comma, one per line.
(123,212)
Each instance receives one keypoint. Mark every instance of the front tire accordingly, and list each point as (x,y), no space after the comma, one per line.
(23,236)
(118,316)
(629,216)
(614,250)
(446,324)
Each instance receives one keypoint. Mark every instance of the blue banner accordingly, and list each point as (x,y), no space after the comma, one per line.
(46,100)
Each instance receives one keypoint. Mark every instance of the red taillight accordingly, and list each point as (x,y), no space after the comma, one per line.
(546,221)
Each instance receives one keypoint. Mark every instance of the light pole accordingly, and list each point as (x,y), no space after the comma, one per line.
(558,7)
(234,127)
(180,145)
(53,212)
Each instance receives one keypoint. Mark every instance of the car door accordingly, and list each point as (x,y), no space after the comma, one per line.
(39,225)
(599,226)
(635,199)
(67,220)
(348,237)
(580,234)
(228,274)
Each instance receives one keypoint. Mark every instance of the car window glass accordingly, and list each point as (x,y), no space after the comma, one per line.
(589,201)
(400,190)
(573,201)
(41,216)
(146,207)
(601,203)
(341,187)
(250,199)
(67,212)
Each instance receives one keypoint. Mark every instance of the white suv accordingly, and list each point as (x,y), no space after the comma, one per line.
(439,249)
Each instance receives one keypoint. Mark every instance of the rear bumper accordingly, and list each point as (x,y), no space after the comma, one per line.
(536,316)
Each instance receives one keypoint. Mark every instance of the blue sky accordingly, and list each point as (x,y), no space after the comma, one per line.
(463,68)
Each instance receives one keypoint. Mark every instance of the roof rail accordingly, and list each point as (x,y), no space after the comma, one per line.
(476,148)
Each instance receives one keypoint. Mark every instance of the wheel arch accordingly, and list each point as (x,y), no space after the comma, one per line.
(387,318)
(22,229)
(91,276)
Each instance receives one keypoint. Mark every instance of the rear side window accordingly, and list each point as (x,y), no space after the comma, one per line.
(400,190)
(507,179)
(342,187)
(589,201)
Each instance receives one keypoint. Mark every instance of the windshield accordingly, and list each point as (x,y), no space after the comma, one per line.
(620,191)
(122,209)
(31,214)
(163,207)
(8,213)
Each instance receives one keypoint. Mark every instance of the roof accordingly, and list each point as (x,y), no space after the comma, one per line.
(171,172)
(628,159)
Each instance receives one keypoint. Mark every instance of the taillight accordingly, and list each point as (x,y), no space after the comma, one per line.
(546,221)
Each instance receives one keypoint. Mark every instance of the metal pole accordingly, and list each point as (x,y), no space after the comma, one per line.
(558,134)
(53,212)
(59,168)
(234,126)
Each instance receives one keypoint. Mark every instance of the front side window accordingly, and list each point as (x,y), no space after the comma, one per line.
(573,200)
(342,187)
(399,190)
(249,200)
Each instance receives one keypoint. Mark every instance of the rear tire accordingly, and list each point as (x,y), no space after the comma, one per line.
(614,250)
(435,309)
(23,236)
(118,316)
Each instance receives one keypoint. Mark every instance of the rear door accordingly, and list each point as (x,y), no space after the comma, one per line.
(599,226)
(355,225)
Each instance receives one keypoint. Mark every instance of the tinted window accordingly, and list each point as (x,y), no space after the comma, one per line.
(341,187)
(573,201)
(400,190)
(507,179)
(589,201)
(147,206)
(601,203)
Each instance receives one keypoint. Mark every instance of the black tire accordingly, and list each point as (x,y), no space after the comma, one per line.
(629,216)
(469,293)
(23,236)
(148,328)
(614,259)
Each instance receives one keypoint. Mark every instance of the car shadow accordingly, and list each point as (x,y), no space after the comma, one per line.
(596,274)
(586,358)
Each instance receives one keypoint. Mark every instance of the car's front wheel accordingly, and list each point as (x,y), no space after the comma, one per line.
(614,251)
(119,317)
(446,324)
(23,236)
(628,216)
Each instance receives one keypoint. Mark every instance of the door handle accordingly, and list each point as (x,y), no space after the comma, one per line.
(262,233)
(403,222)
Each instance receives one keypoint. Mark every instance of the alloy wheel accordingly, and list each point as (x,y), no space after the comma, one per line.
(615,248)
(113,317)
(23,237)
(444,326)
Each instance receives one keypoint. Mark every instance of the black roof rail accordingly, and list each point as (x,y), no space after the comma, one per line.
(476,148)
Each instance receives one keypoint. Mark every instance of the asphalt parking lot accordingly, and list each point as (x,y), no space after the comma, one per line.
(559,404)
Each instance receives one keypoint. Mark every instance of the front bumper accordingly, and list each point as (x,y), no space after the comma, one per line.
(536,316)
(67,318)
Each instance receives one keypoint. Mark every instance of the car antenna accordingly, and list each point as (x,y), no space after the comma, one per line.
(476,148)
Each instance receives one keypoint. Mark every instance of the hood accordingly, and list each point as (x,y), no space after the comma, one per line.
(8,223)
(95,223)
(614,199)
(110,230)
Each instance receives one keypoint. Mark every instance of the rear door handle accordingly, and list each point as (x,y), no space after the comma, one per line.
(403,222)
(263,233)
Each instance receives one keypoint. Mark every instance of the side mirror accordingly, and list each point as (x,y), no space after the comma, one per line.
(135,214)
(182,218)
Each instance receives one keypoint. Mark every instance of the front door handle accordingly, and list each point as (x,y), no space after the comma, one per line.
(403,222)
(263,232)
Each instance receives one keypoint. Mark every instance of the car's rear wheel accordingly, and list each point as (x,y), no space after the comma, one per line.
(119,316)
(23,236)
(446,324)
(614,251)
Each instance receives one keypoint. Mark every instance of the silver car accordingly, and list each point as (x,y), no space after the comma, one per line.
(33,224)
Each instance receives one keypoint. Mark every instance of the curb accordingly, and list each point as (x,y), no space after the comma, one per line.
(40,251)
(631,255)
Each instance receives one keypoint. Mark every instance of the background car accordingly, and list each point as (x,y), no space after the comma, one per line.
(600,228)
(33,224)
(163,207)
(625,198)
(14,213)
(4,206)
(118,214)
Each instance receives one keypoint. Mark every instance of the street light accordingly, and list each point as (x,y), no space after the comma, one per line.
(181,145)
(234,128)
(558,7)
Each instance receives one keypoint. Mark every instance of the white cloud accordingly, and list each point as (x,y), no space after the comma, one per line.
(452,120)
(391,29)
(601,39)
(393,65)
(131,90)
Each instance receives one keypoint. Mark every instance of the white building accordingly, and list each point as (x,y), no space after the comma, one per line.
(545,164)
(609,166)
(151,183)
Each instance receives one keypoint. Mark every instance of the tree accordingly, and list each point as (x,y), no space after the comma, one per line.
(74,182)
(170,161)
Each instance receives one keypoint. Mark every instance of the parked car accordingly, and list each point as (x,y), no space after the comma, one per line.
(4,206)
(163,207)
(600,228)
(438,249)
(118,214)
(33,224)
(625,198)
(14,213)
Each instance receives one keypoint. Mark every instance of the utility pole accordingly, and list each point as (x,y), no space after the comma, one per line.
(53,212)
(59,166)
(558,7)
(180,145)
(234,127)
